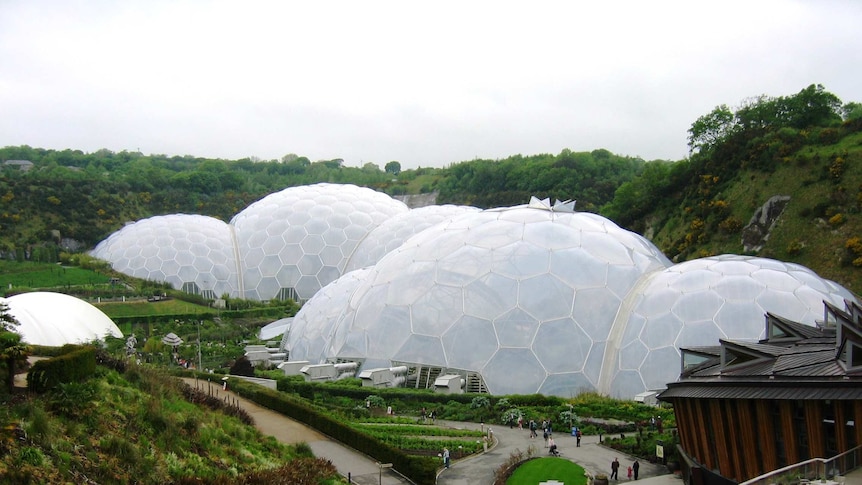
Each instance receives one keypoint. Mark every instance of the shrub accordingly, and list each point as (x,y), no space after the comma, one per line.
(795,247)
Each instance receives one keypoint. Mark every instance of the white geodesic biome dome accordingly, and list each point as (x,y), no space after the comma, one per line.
(311,334)
(698,302)
(287,245)
(55,319)
(299,240)
(191,252)
(522,296)
(395,230)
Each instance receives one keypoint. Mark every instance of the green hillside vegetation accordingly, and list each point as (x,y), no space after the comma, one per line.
(142,426)
(806,146)
(72,196)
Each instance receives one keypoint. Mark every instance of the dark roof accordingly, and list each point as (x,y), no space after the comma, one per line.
(798,362)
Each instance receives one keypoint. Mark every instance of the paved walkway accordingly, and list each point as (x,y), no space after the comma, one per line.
(595,458)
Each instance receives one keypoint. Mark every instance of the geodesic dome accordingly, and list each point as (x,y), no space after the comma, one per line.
(294,242)
(312,332)
(698,302)
(191,252)
(55,319)
(524,296)
(394,231)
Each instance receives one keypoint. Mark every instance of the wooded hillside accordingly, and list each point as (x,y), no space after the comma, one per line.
(806,146)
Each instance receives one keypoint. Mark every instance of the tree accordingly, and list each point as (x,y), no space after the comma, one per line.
(11,349)
(7,321)
(393,167)
(711,129)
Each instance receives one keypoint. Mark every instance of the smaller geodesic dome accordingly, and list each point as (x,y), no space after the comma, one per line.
(191,252)
(399,228)
(699,302)
(55,319)
(294,242)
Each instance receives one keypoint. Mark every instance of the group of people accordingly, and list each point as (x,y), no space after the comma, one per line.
(426,415)
(633,470)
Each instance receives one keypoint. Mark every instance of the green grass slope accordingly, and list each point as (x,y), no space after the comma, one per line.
(139,426)
(820,227)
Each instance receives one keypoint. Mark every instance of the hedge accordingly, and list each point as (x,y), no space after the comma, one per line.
(421,470)
(77,364)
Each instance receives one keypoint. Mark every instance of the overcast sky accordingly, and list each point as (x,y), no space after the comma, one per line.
(424,83)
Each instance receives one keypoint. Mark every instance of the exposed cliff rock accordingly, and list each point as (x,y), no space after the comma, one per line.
(415,201)
(756,232)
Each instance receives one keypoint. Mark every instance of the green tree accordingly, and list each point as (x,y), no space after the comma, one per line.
(11,349)
(711,129)
(393,167)
(7,321)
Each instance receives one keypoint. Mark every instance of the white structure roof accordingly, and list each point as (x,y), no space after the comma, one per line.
(55,319)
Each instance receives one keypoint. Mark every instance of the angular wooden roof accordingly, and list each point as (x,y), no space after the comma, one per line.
(795,361)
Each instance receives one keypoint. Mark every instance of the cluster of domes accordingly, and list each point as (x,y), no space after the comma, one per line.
(287,245)
(533,298)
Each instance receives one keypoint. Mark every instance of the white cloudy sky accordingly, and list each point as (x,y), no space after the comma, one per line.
(424,83)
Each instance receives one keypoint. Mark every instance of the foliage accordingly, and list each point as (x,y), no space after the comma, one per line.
(589,177)
(7,320)
(142,430)
(242,367)
(504,471)
(795,145)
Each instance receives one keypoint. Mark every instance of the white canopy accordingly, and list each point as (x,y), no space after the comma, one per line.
(55,319)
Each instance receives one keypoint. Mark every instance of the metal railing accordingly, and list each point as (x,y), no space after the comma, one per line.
(816,470)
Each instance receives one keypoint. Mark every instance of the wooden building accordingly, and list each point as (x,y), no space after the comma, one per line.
(747,408)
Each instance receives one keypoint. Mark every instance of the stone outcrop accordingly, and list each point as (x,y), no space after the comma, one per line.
(756,232)
(416,201)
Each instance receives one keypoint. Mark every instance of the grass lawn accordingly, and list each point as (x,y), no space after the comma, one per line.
(142,308)
(544,469)
(46,275)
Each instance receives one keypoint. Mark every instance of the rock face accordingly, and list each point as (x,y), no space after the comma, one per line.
(418,200)
(756,232)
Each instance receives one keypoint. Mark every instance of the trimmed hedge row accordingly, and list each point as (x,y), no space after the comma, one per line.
(307,390)
(422,470)
(274,312)
(76,364)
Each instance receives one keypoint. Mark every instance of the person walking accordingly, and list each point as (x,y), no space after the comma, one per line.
(615,469)
(446,457)
(635,467)
(630,472)
(578,437)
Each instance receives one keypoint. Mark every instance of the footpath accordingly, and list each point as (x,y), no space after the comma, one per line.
(362,469)
(594,457)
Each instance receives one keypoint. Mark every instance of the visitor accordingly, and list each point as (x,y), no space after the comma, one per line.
(446,457)
(615,469)
(635,467)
